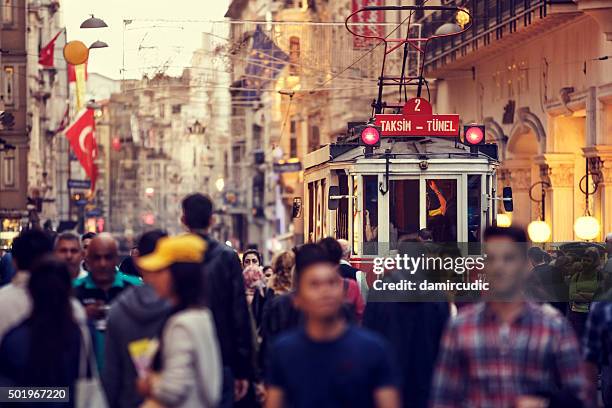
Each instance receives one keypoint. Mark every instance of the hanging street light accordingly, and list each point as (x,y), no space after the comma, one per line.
(98,44)
(539,231)
(93,22)
(587,227)
(504,220)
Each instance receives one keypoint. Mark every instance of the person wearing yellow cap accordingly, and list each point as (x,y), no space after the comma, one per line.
(187,369)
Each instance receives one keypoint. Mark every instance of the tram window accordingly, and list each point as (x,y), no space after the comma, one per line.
(441,204)
(474,213)
(343,208)
(370,214)
(404,211)
(311,219)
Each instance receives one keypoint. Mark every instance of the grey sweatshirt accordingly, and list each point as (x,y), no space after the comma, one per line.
(136,314)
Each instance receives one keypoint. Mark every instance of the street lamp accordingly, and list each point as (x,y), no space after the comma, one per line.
(220,184)
(98,44)
(93,22)
(587,227)
(539,230)
(504,220)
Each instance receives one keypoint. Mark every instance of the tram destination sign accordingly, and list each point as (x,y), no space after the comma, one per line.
(417,119)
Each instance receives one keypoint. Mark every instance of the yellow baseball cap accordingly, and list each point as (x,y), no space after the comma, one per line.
(188,248)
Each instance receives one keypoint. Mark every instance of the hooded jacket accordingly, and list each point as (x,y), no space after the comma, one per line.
(136,314)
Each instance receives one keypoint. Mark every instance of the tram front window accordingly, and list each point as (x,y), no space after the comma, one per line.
(404,212)
(370,215)
(474,210)
(441,204)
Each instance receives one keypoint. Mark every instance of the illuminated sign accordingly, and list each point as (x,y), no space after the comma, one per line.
(417,119)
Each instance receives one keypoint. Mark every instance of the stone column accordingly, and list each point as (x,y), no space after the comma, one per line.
(558,170)
(518,176)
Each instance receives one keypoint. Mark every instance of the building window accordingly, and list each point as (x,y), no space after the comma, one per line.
(293,140)
(7,11)
(8,165)
(162,111)
(8,91)
(294,56)
(176,109)
(314,138)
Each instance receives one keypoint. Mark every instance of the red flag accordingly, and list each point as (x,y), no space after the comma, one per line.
(47,53)
(72,73)
(81,135)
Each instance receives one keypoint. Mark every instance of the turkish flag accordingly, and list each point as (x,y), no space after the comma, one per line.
(81,135)
(47,53)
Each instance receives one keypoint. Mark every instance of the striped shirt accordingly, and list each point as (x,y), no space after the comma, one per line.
(597,341)
(485,362)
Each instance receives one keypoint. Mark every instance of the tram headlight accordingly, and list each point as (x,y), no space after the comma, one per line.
(474,134)
(370,136)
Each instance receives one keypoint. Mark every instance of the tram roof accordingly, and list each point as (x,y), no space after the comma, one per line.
(418,149)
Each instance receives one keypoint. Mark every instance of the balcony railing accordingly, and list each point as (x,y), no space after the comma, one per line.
(493,20)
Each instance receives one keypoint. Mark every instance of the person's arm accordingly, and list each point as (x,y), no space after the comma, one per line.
(387,397)
(112,372)
(173,383)
(450,378)
(242,364)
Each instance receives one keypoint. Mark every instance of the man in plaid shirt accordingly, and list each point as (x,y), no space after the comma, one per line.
(508,352)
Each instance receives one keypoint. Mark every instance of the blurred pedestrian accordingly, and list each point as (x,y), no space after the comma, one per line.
(328,362)
(597,350)
(282,276)
(187,369)
(43,351)
(413,329)
(425,235)
(15,300)
(68,249)
(254,282)
(606,271)
(227,301)
(353,300)
(348,271)
(546,283)
(268,272)
(251,257)
(583,286)
(7,269)
(85,240)
(135,317)
(101,286)
(532,349)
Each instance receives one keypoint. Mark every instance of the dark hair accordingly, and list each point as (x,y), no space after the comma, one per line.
(148,240)
(197,211)
(30,246)
(333,248)
(51,319)
(252,251)
(188,284)
(88,235)
(67,236)
(537,255)
(516,234)
(312,254)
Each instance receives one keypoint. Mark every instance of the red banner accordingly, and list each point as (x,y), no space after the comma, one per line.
(81,135)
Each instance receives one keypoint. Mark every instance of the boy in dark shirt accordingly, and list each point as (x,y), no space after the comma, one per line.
(327,362)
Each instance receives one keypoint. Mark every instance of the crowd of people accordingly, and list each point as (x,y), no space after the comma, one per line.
(184,321)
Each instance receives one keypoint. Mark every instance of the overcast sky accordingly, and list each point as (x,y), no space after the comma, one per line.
(147,44)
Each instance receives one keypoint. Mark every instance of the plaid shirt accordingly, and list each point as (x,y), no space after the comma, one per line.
(485,363)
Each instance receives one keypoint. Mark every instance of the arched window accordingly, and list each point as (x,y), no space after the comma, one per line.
(294,56)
